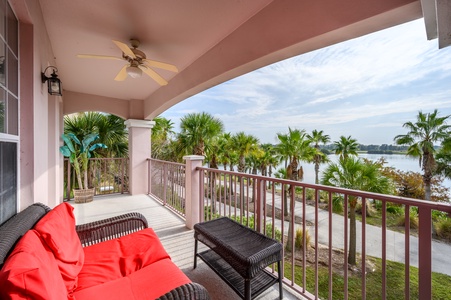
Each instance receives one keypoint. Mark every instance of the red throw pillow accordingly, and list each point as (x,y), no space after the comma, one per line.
(31,272)
(57,229)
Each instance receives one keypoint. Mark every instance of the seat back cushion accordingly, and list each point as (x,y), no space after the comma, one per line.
(31,272)
(57,229)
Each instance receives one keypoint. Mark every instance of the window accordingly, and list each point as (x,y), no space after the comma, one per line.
(9,110)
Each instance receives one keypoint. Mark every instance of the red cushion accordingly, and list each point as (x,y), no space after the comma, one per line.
(157,279)
(31,272)
(57,229)
(150,282)
(120,257)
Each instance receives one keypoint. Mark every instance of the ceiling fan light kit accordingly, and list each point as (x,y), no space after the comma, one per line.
(134,71)
(137,63)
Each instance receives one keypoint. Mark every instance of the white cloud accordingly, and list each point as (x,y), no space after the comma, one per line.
(375,80)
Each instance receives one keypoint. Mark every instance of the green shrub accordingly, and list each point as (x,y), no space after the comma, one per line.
(395,209)
(413,220)
(298,240)
(443,228)
(337,204)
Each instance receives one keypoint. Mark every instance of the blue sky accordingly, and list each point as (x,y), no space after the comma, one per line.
(366,87)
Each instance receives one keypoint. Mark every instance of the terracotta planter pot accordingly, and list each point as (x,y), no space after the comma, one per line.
(84,196)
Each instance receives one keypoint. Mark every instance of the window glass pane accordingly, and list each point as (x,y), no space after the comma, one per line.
(8,180)
(13,112)
(12,30)
(12,68)
(2,18)
(2,63)
(2,111)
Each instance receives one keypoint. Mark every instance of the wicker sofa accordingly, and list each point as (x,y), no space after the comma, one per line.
(43,255)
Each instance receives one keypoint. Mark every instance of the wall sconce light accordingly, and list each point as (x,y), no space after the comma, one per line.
(53,82)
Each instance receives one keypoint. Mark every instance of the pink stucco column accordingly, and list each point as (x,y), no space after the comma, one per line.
(192,193)
(139,132)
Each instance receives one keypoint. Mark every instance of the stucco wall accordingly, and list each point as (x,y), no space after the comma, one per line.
(40,178)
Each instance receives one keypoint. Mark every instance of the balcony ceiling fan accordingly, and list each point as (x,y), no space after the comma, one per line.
(137,62)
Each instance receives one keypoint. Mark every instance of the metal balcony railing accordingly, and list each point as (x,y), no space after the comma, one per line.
(106,175)
(283,209)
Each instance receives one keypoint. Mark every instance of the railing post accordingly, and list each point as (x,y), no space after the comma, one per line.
(149,176)
(425,252)
(192,195)
(259,205)
(69,185)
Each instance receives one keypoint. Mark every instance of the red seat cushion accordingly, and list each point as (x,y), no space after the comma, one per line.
(57,229)
(150,282)
(120,257)
(31,272)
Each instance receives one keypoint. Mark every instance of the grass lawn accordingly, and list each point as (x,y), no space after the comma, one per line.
(441,284)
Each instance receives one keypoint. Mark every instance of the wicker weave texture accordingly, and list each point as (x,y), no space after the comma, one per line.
(246,250)
(14,228)
(111,228)
(189,291)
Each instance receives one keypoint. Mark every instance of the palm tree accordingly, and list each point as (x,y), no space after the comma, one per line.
(346,146)
(317,137)
(110,128)
(295,147)
(162,133)
(428,129)
(243,144)
(224,149)
(197,130)
(353,173)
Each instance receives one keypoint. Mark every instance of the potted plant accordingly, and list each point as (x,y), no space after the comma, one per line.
(79,154)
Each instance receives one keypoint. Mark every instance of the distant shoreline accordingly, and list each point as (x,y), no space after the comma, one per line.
(388,152)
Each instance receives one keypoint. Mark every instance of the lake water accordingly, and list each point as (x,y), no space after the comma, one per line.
(398,161)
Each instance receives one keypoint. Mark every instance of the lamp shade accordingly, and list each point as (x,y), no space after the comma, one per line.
(134,71)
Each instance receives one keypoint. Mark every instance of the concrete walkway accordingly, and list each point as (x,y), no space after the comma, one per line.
(394,241)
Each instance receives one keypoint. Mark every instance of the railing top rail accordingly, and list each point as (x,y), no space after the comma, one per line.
(445,207)
(166,162)
(103,158)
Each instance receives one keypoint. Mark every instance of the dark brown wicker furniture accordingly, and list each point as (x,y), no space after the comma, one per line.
(91,233)
(239,255)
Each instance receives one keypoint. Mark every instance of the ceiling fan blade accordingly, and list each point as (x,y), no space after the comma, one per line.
(122,74)
(161,65)
(127,51)
(99,56)
(154,75)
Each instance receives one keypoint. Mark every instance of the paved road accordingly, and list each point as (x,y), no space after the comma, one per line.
(394,242)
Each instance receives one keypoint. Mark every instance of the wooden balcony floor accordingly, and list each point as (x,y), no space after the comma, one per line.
(175,237)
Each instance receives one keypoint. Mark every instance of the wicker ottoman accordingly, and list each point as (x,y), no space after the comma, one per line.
(239,255)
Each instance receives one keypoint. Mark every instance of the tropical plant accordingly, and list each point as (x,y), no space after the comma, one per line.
(346,146)
(110,129)
(162,133)
(294,147)
(317,138)
(197,130)
(243,144)
(353,173)
(79,154)
(428,129)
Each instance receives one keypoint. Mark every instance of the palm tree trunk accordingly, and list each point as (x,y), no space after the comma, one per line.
(316,172)
(427,187)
